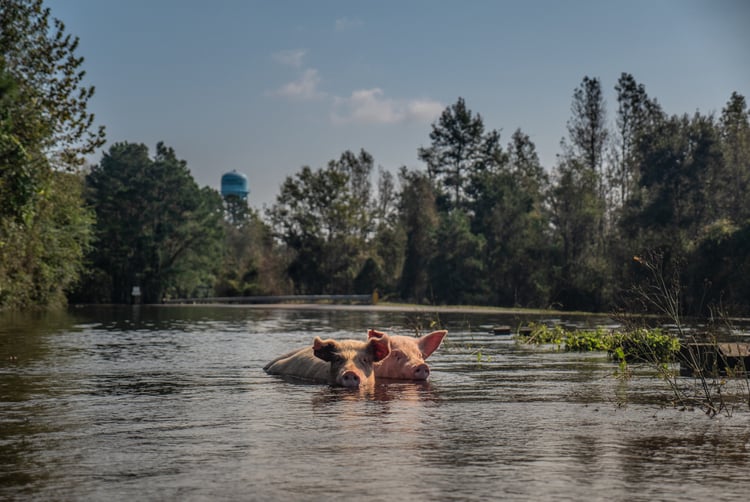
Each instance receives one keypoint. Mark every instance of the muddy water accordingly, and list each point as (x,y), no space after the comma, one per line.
(171,403)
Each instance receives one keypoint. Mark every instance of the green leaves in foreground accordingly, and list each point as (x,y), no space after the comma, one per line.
(637,345)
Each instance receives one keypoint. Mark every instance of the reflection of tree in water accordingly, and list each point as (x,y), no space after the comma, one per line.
(28,386)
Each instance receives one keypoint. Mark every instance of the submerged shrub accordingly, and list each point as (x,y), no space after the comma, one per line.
(541,334)
(587,341)
(637,345)
(644,345)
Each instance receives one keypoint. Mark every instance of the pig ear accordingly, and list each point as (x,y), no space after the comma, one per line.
(324,349)
(429,343)
(380,347)
(375,334)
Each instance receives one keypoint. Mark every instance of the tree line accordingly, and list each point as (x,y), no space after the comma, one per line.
(485,223)
(481,222)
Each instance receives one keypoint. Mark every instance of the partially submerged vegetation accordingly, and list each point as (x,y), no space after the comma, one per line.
(697,370)
(643,344)
(705,371)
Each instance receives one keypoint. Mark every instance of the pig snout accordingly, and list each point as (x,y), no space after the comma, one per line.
(351,379)
(421,372)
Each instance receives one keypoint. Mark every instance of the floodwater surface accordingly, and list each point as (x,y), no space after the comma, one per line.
(171,403)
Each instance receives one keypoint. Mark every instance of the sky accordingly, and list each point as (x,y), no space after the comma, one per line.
(267,87)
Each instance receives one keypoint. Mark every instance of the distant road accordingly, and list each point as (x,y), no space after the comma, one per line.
(386,307)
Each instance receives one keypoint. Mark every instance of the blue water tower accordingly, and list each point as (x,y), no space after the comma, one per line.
(234,183)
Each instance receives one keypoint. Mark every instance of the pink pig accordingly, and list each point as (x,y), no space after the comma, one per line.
(348,363)
(406,360)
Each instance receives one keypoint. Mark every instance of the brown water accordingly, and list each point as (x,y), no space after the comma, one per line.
(171,403)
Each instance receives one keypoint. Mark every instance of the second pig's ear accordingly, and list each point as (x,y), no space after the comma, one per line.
(324,349)
(375,334)
(380,347)
(430,343)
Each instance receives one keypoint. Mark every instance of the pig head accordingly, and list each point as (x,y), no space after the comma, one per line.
(406,360)
(347,363)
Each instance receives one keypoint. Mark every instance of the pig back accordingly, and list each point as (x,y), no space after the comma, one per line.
(301,364)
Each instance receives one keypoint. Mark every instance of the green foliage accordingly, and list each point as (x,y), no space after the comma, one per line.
(680,168)
(457,268)
(327,218)
(644,345)
(481,225)
(253,262)
(635,345)
(541,334)
(636,116)
(578,203)
(716,267)
(42,255)
(460,152)
(389,246)
(44,128)
(733,179)
(588,341)
(42,59)
(17,181)
(155,228)
(418,219)
(587,128)
(576,215)
(510,214)
(490,222)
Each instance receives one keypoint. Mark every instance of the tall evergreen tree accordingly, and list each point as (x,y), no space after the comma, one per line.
(419,219)
(587,127)
(523,162)
(734,182)
(578,201)
(389,240)
(575,213)
(587,136)
(358,170)
(460,151)
(637,114)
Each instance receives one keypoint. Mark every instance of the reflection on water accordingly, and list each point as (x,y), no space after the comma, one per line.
(172,403)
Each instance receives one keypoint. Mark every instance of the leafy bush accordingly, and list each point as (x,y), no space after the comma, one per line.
(587,341)
(638,345)
(644,345)
(541,334)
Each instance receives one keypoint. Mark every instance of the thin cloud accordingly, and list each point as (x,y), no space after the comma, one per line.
(370,106)
(291,58)
(304,88)
(423,110)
